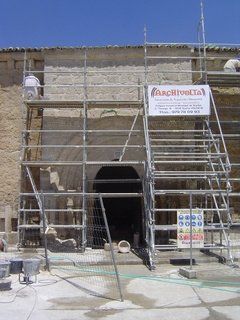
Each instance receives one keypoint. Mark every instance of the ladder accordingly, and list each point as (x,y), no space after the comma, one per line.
(185,158)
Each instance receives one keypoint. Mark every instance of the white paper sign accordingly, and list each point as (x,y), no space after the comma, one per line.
(191,100)
(183,228)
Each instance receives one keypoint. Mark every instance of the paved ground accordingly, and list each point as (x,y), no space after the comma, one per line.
(162,294)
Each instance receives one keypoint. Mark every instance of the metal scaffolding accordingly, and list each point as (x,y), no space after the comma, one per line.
(181,158)
(188,163)
(70,219)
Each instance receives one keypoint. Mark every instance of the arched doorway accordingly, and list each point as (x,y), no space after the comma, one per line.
(124,214)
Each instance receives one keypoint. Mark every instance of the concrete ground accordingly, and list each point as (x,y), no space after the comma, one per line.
(160,294)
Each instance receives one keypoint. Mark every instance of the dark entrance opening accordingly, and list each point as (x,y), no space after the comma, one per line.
(124,214)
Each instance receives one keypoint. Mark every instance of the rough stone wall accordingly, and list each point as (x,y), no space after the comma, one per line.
(11,74)
(70,177)
(215,60)
(108,67)
(10,136)
(109,72)
(10,125)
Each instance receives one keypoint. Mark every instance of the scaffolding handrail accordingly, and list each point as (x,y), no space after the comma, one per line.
(208,44)
(220,130)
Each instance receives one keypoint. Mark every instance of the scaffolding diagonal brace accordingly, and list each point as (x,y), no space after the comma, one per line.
(37,195)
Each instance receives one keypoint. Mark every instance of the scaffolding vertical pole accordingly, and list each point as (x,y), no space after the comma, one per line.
(149,196)
(22,201)
(44,231)
(111,246)
(23,137)
(145,56)
(204,43)
(191,247)
(199,51)
(84,164)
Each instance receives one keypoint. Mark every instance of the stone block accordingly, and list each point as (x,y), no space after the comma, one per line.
(188,273)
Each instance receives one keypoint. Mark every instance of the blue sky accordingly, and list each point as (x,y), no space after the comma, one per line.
(36,23)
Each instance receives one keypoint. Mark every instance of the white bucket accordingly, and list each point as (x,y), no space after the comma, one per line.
(124,246)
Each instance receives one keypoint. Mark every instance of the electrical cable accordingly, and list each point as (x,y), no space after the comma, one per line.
(34,304)
(46,282)
(16,294)
(10,301)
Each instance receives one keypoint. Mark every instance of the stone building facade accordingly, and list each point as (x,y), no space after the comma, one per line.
(104,83)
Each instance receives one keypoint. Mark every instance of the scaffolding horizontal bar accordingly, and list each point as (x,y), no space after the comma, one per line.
(218,192)
(207,246)
(29,226)
(177,131)
(78,163)
(51,210)
(182,140)
(175,57)
(190,71)
(92,85)
(82,146)
(85,71)
(174,227)
(81,131)
(180,178)
(196,162)
(188,45)
(177,146)
(228,135)
(177,209)
(123,180)
(186,173)
(79,103)
(62,226)
(77,194)
(208,58)
(65,226)
(190,157)
(191,154)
